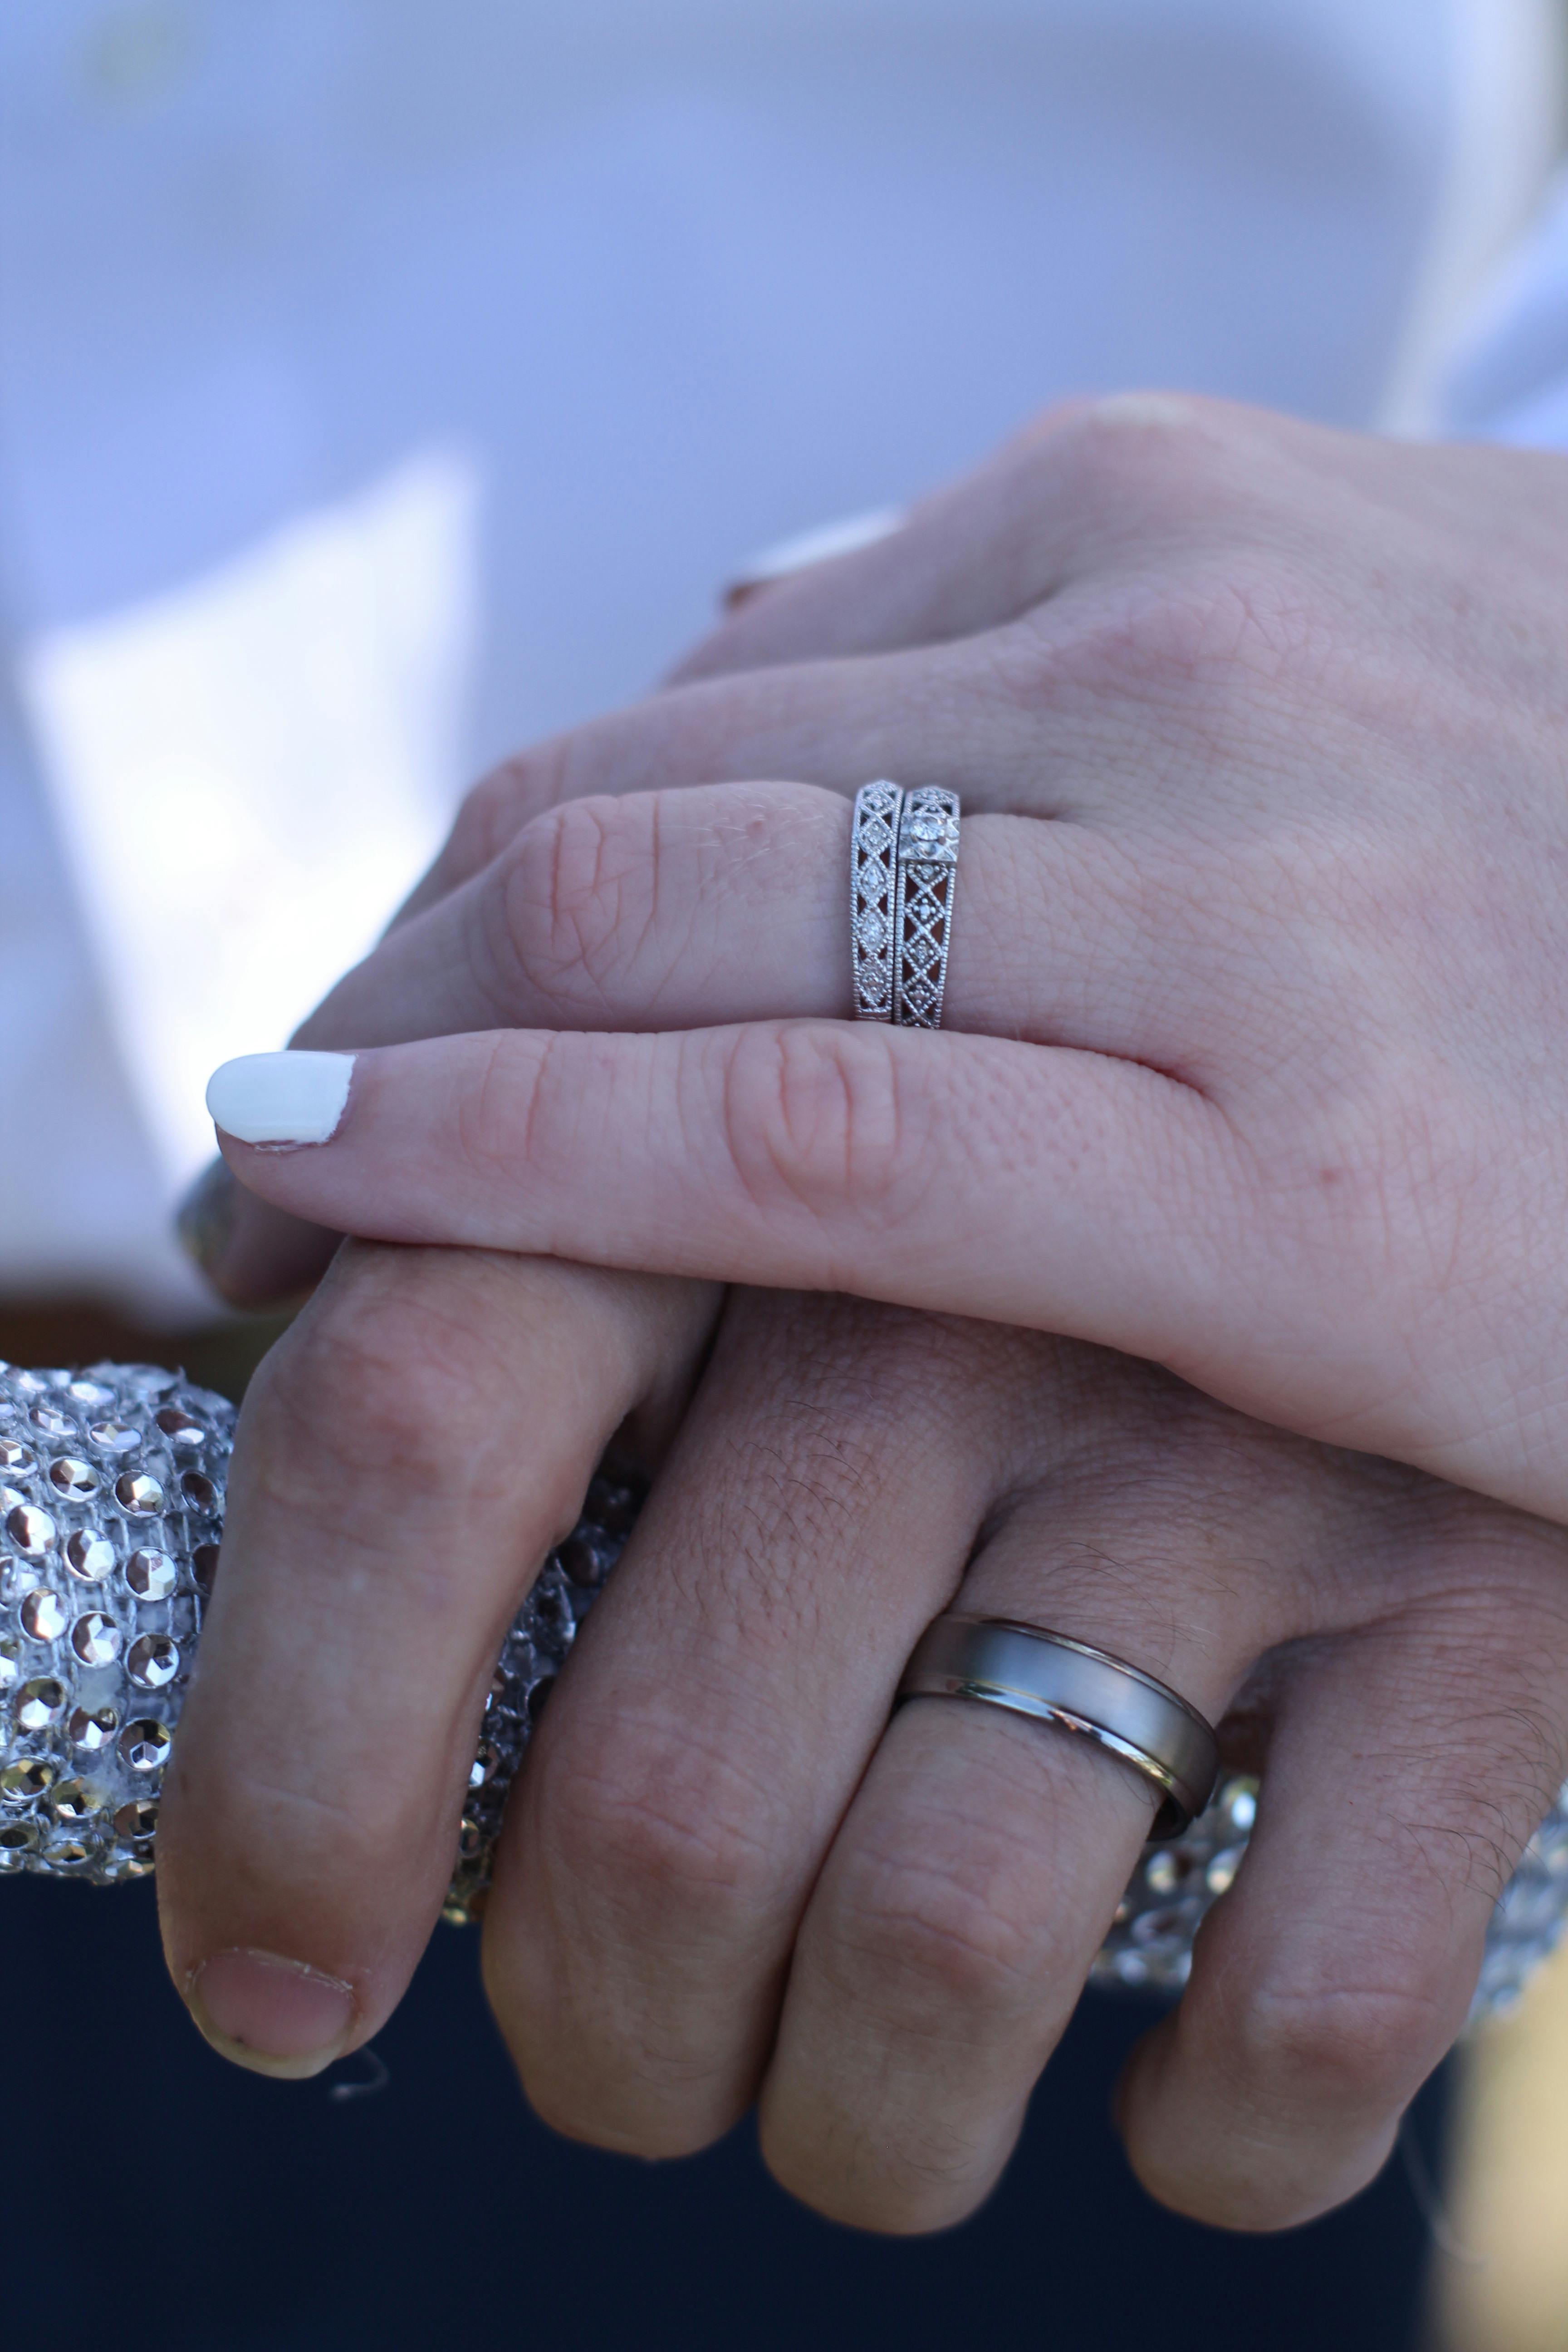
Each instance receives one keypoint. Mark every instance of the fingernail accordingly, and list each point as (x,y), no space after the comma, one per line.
(278,2017)
(204,1219)
(292,1097)
(819,545)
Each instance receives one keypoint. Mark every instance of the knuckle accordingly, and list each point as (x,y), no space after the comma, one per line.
(1140,443)
(855,1385)
(1210,642)
(1360,2047)
(1148,466)
(577,896)
(941,1935)
(383,1377)
(672,1835)
(1129,1428)
(496,808)
(811,1119)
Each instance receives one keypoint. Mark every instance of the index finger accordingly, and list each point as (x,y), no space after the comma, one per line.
(1024,1185)
(406,1458)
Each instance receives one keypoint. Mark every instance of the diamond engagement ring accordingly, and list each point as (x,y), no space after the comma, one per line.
(111,1497)
(923,910)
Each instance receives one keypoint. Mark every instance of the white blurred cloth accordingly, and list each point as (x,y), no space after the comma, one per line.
(384,382)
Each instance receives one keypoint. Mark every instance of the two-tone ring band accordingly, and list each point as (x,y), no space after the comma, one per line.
(903,865)
(1078,1688)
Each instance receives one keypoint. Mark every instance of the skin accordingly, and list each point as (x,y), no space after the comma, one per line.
(1273,767)
(725,1875)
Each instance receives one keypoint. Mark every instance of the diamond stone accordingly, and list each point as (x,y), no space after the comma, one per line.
(32,1531)
(39,1704)
(115,1436)
(92,1728)
(153,1661)
(43,1615)
(181,1428)
(96,1639)
(145,1745)
(33,1776)
(73,1478)
(137,1493)
(74,1800)
(89,1555)
(152,1575)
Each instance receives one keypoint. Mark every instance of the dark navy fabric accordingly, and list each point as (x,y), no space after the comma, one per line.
(160,2202)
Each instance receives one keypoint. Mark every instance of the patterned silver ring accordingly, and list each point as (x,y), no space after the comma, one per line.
(1058,1681)
(873,885)
(923,908)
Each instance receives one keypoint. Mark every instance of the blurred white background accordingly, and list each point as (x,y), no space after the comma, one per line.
(384,382)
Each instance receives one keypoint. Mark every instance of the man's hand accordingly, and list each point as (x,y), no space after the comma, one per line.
(724,1875)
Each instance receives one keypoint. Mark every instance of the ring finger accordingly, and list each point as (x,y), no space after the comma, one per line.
(686,908)
(976,1873)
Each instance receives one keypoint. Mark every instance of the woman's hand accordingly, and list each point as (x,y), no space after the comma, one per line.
(1260,936)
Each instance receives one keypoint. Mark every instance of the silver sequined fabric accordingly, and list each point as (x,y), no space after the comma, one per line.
(110,1509)
(1150,1946)
(112,1485)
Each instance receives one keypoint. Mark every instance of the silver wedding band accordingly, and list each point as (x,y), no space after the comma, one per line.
(903,865)
(873,897)
(1058,1681)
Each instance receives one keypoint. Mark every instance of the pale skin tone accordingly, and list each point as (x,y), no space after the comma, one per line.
(1181,1122)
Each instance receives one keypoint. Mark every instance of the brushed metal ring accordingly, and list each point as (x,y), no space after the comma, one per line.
(1078,1688)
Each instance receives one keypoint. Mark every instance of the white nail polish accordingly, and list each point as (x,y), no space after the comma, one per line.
(845,536)
(296,1098)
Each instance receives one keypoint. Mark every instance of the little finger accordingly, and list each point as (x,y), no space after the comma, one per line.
(1408,1765)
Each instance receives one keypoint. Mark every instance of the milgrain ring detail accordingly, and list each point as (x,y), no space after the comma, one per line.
(923,908)
(873,888)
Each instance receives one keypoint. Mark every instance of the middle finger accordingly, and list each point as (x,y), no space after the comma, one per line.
(723,1699)
(684,909)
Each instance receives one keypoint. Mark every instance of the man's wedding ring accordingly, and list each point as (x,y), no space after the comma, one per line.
(1078,1688)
